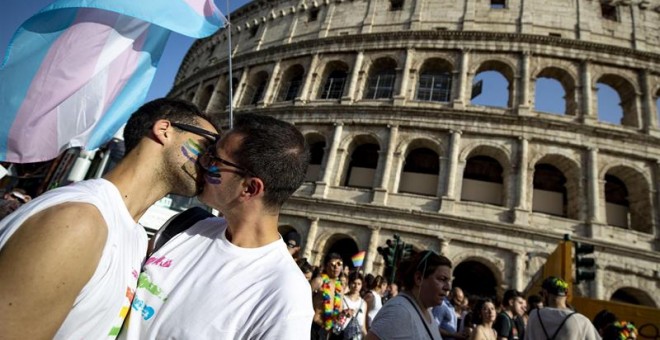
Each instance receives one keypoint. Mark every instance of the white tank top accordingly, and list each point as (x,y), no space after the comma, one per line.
(101,306)
(377,304)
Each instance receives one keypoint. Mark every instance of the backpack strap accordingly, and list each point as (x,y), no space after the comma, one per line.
(562,325)
(178,224)
(538,313)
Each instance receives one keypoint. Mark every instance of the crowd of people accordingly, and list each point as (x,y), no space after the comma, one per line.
(74,262)
(429,308)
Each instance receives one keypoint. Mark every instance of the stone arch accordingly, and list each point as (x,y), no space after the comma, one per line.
(570,169)
(361,162)
(568,83)
(486,176)
(634,296)
(627,196)
(255,88)
(420,173)
(291,83)
(477,276)
(317,147)
(335,78)
(627,93)
(342,244)
(434,81)
(205,96)
(381,79)
(506,70)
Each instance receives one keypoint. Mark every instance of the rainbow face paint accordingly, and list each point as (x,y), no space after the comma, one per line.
(191,150)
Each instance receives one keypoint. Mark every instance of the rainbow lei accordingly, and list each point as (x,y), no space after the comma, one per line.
(330,309)
(626,330)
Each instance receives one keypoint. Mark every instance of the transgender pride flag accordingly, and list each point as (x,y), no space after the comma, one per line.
(75,71)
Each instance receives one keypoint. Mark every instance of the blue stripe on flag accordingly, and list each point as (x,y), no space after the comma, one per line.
(24,56)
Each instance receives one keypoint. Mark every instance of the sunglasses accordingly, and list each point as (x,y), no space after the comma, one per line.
(197,130)
(211,163)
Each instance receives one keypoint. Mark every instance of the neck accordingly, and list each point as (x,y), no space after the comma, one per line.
(557,303)
(252,229)
(418,301)
(131,176)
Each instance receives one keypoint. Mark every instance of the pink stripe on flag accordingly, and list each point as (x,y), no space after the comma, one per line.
(59,76)
(202,7)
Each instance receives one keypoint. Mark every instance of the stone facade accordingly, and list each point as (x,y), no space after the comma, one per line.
(394,154)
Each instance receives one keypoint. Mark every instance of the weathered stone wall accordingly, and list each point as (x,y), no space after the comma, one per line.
(565,40)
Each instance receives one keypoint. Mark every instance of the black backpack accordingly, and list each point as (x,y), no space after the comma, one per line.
(178,224)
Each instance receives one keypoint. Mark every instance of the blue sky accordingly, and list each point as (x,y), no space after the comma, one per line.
(550,98)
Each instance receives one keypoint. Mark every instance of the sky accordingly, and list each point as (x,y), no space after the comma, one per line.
(549,99)
(15,12)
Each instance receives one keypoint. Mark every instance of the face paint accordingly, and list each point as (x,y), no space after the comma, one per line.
(212,180)
(191,150)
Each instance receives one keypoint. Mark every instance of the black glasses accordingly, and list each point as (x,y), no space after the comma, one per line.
(211,163)
(197,130)
(425,258)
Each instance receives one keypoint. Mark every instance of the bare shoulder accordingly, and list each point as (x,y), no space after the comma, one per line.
(72,222)
(60,248)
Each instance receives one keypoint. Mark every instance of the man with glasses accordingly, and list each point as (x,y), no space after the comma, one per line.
(70,258)
(327,302)
(232,277)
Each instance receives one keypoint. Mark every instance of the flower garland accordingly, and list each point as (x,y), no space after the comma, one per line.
(330,308)
(626,330)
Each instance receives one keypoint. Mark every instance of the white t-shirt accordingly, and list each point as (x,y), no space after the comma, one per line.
(576,327)
(101,306)
(201,286)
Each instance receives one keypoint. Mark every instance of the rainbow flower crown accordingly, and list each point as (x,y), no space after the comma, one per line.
(555,285)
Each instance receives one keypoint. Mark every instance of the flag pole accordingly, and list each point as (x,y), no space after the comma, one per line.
(231,77)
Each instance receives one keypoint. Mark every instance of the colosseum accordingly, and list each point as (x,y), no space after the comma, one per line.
(426,119)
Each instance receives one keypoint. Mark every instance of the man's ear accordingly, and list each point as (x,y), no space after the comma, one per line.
(160,130)
(254,187)
(418,279)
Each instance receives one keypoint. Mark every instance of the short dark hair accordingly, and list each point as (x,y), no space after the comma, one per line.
(377,282)
(275,151)
(510,294)
(330,257)
(142,120)
(425,262)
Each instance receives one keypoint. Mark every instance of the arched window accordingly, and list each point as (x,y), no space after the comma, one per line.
(492,85)
(254,91)
(205,97)
(291,83)
(483,180)
(555,92)
(382,76)
(628,199)
(420,172)
(616,200)
(362,166)
(633,296)
(617,101)
(435,81)
(549,190)
(317,151)
(475,278)
(333,88)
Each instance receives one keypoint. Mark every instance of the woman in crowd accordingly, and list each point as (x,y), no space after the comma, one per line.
(425,280)
(374,297)
(355,308)
(483,316)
